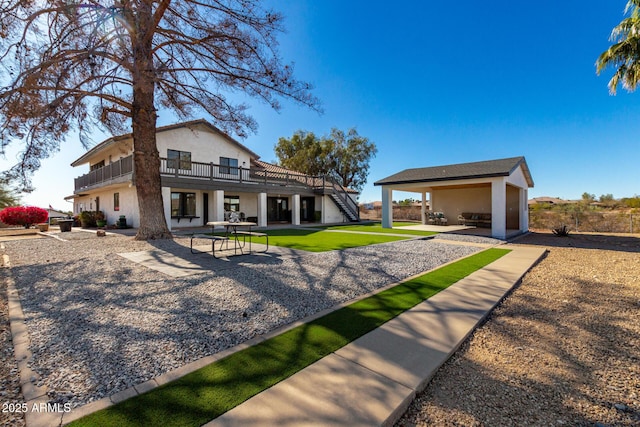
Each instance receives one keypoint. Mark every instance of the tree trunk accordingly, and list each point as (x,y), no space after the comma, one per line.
(153,224)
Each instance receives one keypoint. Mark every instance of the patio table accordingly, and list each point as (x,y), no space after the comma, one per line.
(236,229)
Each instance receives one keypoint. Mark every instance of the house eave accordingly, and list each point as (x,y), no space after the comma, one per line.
(109,142)
(422,181)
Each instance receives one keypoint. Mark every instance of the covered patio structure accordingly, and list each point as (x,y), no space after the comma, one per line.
(495,187)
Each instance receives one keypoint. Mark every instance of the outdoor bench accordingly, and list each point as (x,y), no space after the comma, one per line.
(251,234)
(213,242)
(476,219)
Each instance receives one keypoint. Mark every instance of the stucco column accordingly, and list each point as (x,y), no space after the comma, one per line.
(499,208)
(295,209)
(218,205)
(423,208)
(387,207)
(262,209)
(524,210)
(166,203)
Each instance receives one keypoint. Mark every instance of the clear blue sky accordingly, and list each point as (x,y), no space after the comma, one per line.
(434,83)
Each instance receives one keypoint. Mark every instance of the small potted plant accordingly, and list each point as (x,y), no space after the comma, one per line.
(101,220)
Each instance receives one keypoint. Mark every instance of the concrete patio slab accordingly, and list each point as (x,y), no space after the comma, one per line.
(165,262)
(184,263)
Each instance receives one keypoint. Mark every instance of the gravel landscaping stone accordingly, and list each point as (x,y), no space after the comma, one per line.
(467,238)
(99,324)
(562,349)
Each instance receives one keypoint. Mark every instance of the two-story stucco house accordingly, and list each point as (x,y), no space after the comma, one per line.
(205,174)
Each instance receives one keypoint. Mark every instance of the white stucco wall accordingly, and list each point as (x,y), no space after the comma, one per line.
(205,146)
(332,213)
(111,154)
(518,179)
(128,204)
(453,202)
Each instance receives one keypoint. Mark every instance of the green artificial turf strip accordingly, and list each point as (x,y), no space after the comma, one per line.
(321,241)
(214,389)
(376,227)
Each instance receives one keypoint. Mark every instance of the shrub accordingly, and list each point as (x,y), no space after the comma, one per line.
(561,231)
(23,215)
(90,218)
(87,219)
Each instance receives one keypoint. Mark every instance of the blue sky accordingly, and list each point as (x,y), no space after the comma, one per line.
(434,83)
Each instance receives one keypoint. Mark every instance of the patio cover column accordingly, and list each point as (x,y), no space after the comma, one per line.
(387,207)
(166,203)
(499,208)
(218,205)
(423,208)
(295,209)
(262,209)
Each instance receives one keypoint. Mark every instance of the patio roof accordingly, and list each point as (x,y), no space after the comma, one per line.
(461,171)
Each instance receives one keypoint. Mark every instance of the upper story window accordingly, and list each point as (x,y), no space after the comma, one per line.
(179,159)
(228,166)
(98,165)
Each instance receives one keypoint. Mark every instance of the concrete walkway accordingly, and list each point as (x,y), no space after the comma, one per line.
(372,380)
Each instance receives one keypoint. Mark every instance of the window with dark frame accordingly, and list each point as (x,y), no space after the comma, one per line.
(179,159)
(183,204)
(232,203)
(95,166)
(116,201)
(228,166)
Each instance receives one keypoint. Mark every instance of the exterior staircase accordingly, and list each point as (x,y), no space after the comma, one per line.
(348,209)
(341,198)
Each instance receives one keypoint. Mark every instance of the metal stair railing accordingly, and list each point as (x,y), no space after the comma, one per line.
(342,199)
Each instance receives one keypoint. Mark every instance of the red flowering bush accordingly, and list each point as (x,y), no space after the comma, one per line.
(23,215)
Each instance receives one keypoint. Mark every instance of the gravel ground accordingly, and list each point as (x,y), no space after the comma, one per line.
(467,238)
(9,377)
(562,349)
(99,324)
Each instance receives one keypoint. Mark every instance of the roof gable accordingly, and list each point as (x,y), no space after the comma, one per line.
(201,123)
(460,171)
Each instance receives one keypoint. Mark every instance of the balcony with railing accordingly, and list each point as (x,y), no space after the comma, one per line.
(118,171)
(122,170)
(235,174)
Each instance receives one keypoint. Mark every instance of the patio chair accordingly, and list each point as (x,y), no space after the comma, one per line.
(440,218)
(431,218)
